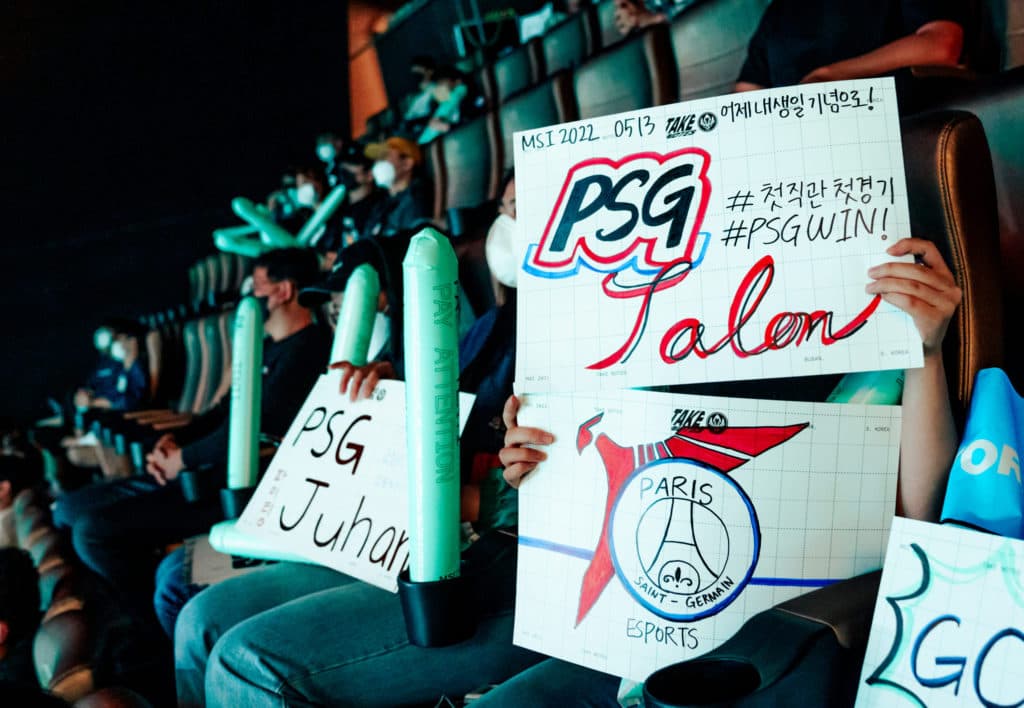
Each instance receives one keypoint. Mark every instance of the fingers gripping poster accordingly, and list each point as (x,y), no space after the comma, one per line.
(721,239)
(659,523)
(336,491)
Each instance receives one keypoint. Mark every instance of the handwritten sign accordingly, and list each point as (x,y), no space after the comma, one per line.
(336,491)
(721,239)
(660,523)
(949,622)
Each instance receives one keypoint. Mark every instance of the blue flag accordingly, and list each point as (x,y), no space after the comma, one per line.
(985,482)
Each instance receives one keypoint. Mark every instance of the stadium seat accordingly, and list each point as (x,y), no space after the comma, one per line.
(637,73)
(710,42)
(471,173)
(549,102)
(62,651)
(816,641)
(607,33)
(517,70)
(570,43)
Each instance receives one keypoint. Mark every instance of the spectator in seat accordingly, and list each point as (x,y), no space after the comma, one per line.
(262,628)
(800,42)
(452,96)
(116,526)
(632,16)
(121,381)
(363,196)
(19,618)
(396,169)
(929,442)
(421,103)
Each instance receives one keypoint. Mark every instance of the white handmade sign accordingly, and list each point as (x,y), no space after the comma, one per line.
(949,622)
(722,239)
(336,491)
(660,523)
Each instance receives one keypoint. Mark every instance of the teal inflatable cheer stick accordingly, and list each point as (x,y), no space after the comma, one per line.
(432,405)
(239,239)
(225,537)
(870,387)
(357,317)
(246,394)
(323,212)
(446,111)
(272,234)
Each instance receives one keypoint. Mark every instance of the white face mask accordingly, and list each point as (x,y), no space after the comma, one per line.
(101,340)
(502,250)
(117,351)
(326,152)
(306,195)
(384,173)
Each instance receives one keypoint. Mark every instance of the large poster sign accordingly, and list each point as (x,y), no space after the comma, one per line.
(336,491)
(660,523)
(949,622)
(721,239)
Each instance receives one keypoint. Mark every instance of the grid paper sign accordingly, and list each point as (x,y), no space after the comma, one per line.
(722,239)
(661,522)
(336,490)
(948,628)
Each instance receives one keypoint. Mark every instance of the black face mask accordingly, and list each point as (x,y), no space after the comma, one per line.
(347,179)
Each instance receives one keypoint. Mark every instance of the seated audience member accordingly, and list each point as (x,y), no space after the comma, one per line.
(19,618)
(929,442)
(355,171)
(632,16)
(15,475)
(421,103)
(453,103)
(800,42)
(328,147)
(117,525)
(396,169)
(121,380)
(260,636)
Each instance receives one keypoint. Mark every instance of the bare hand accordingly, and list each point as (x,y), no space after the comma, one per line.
(822,73)
(519,460)
(82,398)
(164,466)
(359,381)
(925,290)
(166,443)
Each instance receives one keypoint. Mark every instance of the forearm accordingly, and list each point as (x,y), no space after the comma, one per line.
(937,43)
(929,440)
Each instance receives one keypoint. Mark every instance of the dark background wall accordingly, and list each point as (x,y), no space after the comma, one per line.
(125,129)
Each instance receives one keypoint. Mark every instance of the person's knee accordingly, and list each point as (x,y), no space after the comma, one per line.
(196,631)
(232,666)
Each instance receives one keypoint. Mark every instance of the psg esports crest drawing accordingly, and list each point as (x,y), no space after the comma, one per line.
(680,533)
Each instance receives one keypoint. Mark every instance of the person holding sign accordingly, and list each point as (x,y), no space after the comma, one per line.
(268,654)
(799,42)
(924,289)
(116,526)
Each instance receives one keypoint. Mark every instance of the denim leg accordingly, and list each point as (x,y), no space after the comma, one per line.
(348,647)
(173,590)
(71,507)
(553,684)
(218,608)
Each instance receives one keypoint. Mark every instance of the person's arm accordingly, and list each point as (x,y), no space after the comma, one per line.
(927,292)
(935,43)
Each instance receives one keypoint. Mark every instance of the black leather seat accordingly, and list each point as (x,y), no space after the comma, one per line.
(517,70)
(549,102)
(471,175)
(570,43)
(710,42)
(637,73)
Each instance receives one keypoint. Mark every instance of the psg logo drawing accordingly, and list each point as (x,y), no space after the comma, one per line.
(681,534)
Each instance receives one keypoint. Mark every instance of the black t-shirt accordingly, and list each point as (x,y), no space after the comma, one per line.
(290,368)
(796,37)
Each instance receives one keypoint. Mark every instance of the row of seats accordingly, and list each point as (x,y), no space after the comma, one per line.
(215,278)
(68,647)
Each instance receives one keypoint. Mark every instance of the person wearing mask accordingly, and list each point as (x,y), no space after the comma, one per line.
(421,103)
(253,634)
(121,380)
(396,169)
(632,16)
(799,42)
(452,97)
(116,526)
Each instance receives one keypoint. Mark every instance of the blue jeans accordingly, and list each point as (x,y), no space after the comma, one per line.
(215,610)
(173,590)
(554,684)
(347,645)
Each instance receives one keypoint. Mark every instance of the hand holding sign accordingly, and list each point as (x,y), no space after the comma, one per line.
(518,459)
